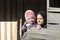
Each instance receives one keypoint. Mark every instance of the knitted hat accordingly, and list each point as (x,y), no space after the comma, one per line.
(29,14)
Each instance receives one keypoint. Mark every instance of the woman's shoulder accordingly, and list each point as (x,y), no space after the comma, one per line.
(45,26)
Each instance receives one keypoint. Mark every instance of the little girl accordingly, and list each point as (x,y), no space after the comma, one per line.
(30,22)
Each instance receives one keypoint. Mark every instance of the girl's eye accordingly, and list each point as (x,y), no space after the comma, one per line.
(32,18)
(39,18)
(28,18)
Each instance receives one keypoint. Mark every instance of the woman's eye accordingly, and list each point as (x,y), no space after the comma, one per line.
(39,18)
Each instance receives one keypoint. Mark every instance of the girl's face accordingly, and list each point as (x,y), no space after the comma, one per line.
(31,20)
(40,19)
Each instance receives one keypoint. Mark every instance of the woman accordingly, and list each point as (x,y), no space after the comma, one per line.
(41,19)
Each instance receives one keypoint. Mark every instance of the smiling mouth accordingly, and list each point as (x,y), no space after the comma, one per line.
(32,21)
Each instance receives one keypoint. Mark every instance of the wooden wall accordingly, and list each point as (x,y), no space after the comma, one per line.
(8,30)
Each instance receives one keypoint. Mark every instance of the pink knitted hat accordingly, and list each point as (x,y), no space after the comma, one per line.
(29,14)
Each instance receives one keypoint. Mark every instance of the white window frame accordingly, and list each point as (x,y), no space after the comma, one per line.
(52,8)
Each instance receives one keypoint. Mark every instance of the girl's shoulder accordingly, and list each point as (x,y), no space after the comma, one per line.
(25,22)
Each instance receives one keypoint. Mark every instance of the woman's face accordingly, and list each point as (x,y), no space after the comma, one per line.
(40,19)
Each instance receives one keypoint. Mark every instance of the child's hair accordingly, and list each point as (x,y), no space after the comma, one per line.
(29,14)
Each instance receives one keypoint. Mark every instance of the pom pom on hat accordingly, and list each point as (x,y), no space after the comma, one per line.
(29,14)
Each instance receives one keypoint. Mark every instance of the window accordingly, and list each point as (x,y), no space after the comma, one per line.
(54,3)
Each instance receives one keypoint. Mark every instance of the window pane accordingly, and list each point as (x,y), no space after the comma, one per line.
(54,3)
